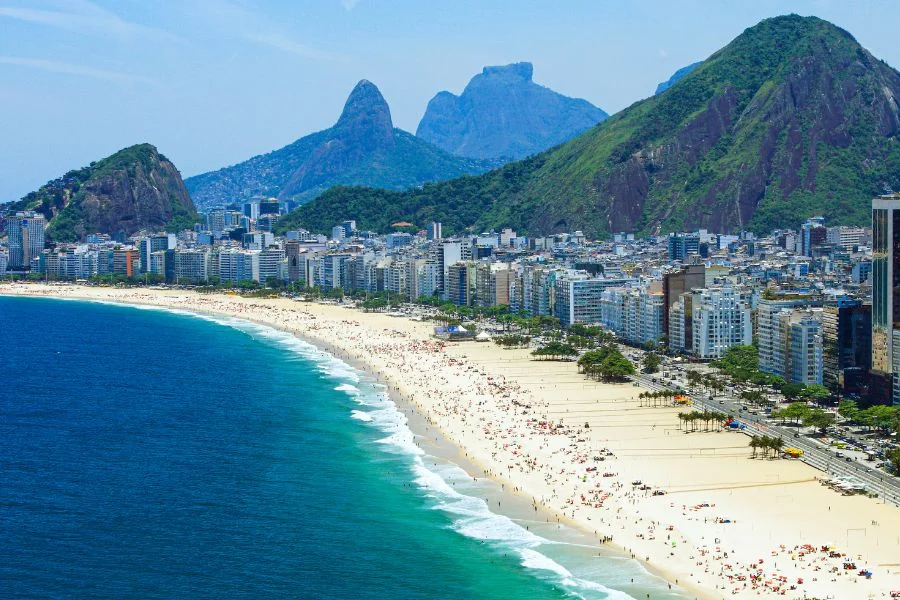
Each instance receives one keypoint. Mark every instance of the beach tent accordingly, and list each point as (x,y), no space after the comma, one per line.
(483,337)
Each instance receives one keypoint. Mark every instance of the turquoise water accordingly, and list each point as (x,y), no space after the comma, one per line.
(146,453)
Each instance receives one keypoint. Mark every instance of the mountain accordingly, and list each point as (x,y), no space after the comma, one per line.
(362,148)
(135,188)
(503,114)
(793,118)
(676,76)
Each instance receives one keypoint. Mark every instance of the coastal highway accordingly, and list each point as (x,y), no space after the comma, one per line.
(816,455)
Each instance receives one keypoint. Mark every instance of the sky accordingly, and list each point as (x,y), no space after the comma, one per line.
(214,82)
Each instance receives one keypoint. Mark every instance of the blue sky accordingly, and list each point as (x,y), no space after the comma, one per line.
(213,82)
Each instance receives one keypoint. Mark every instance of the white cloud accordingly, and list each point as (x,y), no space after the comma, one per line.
(286,44)
(53,66)
(239,21)
(83,17)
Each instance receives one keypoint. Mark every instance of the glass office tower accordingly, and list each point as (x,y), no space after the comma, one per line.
(886,289)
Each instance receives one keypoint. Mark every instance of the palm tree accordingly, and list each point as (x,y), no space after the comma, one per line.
(755,444)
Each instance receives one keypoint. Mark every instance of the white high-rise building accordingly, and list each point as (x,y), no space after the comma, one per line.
(721,319)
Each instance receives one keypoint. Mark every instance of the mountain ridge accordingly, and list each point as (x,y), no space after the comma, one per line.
(792,118)
(676,77)
(503,114)
(362,147)
(133,189)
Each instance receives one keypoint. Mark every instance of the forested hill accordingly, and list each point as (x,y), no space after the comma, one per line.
(790,119)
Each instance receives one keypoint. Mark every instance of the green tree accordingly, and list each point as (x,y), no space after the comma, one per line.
(795,412)
(556,351)
(819,419)
(651,362)
(815,392)
(792,391)
(616,367)
(848,409)
(893,459)
(739,362)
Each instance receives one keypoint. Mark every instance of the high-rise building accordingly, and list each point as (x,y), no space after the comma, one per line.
(292,251)
(449,253)
(433,231)
(812,233)
(771,351)
(682,245)
(846,237)
(846,340)
(269,206)
(721,319)
(154,243)
(215,220)
(25,235)
(886,290)
(461,283)
(805,343)
(689,278)
(191,265)
(578,297)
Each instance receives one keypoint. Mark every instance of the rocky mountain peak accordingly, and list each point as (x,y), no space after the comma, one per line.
(516,71)
(366,117)
(502,115)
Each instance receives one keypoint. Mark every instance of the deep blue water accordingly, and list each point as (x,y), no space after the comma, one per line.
(157,455)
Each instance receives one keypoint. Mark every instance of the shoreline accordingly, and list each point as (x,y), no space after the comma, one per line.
(630,449)
(444,449)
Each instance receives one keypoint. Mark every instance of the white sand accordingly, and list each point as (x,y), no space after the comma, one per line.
(503,410)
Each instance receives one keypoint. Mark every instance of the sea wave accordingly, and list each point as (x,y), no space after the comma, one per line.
(470,515)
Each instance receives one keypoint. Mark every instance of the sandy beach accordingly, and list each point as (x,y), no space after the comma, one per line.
(694,507)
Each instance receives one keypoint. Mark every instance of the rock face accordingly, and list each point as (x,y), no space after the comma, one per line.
(676,76)
(136,188)
(503,114)
(792,119)
(363,148)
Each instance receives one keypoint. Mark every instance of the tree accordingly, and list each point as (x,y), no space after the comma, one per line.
(651,362)
(893,459)
(753,396)
(792,391)
(616,367)
(819,419)
(593,357)
(815,392)
(795,412)
(740,362)
(556,351)
(848,409)
(879,416)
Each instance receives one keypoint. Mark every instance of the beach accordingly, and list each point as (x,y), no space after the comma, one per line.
(695,508)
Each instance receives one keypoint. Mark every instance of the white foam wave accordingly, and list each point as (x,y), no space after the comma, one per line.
(361,415)
(471,515)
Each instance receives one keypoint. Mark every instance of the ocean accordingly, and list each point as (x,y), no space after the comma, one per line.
(148,453)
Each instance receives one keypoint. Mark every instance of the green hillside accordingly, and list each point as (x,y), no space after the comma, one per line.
(792,118)
(362,148)
(135,188)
